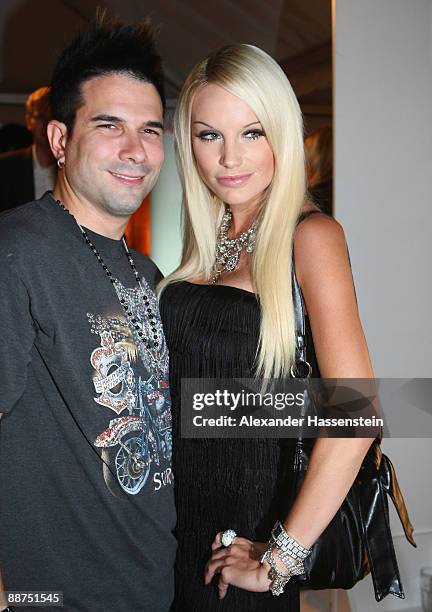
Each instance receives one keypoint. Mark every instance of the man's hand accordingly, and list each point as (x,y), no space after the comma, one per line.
(239,565)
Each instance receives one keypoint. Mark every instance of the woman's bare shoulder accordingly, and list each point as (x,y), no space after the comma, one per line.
(318,231)
(319,247)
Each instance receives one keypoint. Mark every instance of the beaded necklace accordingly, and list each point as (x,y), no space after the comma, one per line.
(153,351)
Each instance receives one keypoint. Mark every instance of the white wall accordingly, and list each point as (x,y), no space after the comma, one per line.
(383,169)
(165,213)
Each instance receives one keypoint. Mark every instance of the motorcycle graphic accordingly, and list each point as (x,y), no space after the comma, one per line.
(143,436)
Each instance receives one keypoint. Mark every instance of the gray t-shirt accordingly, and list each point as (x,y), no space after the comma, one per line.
(86,487)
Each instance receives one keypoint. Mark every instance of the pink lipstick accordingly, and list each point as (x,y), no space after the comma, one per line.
(233,181)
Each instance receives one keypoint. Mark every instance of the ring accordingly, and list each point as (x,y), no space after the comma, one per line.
(228,537)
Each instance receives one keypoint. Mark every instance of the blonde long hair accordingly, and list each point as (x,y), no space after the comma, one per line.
(252,75)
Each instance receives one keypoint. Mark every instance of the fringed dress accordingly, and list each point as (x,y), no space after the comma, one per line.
(212,331)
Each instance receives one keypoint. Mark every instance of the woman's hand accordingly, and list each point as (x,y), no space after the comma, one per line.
(239,565)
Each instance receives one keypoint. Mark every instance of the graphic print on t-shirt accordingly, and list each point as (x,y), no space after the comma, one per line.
(140,434)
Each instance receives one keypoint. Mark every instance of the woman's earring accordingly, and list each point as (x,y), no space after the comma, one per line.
(61,164)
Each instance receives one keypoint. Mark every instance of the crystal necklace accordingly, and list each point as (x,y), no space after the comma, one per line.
(228,250)
(149,339)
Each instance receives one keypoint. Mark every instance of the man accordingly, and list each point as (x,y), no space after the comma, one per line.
(28,173)
(86,485)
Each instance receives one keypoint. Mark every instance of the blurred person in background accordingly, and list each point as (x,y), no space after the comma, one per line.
(14,136)
(26,174)
(319,165)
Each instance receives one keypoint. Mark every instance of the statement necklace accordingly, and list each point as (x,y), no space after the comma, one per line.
(149,339)
(228,250)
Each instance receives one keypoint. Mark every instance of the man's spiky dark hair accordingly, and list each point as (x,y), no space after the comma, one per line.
(107,47)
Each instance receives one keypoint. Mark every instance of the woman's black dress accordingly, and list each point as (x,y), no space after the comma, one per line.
(244,484)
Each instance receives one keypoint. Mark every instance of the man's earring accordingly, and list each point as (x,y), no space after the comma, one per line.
(61,164)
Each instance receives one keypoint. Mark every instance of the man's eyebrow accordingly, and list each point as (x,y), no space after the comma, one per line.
(154,124)
(210,126)
(107,118)
(114,119)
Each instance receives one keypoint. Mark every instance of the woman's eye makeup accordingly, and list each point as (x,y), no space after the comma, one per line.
(209,136)
(253,134)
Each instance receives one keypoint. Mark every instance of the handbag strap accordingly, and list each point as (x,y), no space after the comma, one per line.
(299,317)
(390,484)
(373,503)
(298,302)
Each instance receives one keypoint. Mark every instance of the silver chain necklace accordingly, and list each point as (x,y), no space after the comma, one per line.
(147,334)
(228,250)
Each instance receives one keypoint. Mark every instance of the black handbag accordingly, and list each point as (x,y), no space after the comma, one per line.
(358,540)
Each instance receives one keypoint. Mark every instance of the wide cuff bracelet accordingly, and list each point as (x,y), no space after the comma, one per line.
(287,545)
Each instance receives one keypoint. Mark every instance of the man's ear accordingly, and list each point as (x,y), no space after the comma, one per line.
(57,137)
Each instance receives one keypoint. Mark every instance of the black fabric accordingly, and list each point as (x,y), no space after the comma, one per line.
(16,178)
(71,377)
(212,331)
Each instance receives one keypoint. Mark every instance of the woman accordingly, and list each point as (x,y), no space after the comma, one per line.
(240,151)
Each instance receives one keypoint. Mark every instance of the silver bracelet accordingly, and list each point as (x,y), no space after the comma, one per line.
(287,545)
(291,553)
(278,579)
(287,559)
(296,567)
